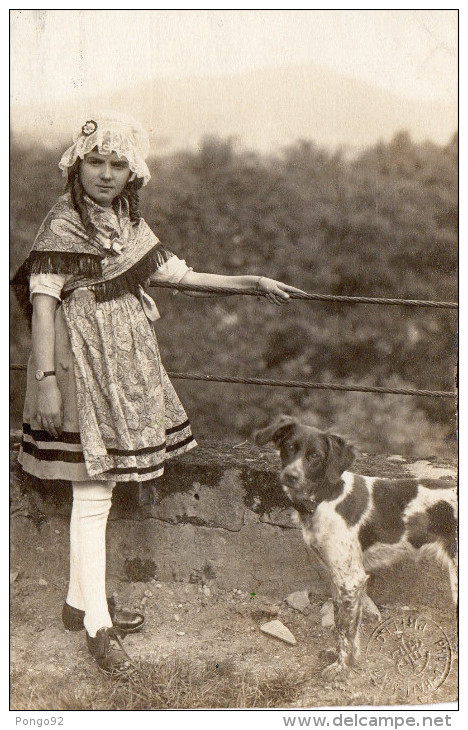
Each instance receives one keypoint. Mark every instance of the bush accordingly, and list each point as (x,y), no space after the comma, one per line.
(382,224)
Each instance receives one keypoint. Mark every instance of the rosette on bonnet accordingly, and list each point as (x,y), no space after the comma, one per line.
(111,132)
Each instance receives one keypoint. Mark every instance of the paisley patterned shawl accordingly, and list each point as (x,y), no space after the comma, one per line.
(62,246)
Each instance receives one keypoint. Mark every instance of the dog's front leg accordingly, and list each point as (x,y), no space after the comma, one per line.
(348,594)
(348,609)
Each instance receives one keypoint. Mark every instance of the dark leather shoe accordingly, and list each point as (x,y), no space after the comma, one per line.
(106,648)
(72,618)
(127,622)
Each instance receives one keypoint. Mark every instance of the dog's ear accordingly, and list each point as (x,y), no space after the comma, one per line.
(340,457)
(276,431)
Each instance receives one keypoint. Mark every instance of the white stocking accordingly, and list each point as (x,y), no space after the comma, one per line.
(75,596)
(87,588)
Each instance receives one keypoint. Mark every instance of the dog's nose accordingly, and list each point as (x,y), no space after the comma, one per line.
(290,475)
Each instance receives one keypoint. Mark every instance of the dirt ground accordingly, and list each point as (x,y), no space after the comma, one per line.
(207,626)
(213,632)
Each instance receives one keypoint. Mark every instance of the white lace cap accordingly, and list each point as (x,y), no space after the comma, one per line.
(111,132)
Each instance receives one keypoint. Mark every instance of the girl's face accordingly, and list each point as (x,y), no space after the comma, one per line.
(103,176)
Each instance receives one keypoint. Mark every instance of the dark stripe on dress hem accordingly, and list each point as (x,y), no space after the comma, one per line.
(52,454)
(148,469)
(180,427)
(66,437)
(179,445)
(135,469)
(152,449)
(136,452)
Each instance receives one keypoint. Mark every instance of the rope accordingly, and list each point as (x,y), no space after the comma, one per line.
(300,384)
(310,297)
(313,386)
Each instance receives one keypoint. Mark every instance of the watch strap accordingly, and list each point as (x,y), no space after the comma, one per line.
(40,375)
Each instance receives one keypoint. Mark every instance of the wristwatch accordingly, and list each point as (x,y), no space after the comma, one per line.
(40,374)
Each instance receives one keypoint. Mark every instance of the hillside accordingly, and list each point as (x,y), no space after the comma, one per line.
(264,110)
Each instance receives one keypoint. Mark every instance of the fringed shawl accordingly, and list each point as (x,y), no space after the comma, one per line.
(63,246)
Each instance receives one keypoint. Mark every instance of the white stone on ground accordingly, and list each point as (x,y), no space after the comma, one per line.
(327,614)
(279,631)
(299,600)
(13,575)
(369,607)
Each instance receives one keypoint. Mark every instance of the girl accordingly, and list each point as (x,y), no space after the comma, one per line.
(99,406)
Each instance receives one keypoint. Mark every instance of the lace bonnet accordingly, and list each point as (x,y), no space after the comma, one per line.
(111,132)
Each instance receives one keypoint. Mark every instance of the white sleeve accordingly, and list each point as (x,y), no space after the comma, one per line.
(172,271)
(51,284)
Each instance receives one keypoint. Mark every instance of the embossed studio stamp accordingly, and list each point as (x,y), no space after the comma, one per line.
(409,656)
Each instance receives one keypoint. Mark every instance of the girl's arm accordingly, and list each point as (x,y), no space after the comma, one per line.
(277,292)
(49,400)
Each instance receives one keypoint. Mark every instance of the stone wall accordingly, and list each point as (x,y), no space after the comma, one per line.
(217,514)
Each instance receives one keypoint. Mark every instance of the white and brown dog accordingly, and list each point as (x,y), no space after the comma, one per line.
(359,523)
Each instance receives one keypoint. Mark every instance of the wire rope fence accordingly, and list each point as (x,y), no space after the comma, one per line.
(299,383)
(311,297)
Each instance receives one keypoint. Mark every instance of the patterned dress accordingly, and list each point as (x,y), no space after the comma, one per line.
(122,417)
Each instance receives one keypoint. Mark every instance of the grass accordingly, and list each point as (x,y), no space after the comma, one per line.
(170,684)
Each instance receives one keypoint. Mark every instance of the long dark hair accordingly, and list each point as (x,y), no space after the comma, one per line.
(77,192)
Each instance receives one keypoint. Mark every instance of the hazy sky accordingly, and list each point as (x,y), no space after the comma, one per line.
(55,53)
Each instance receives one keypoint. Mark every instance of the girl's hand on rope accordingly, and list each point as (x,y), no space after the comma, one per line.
(276,292)
(49,407)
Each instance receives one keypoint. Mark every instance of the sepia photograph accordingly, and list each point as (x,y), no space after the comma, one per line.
(233,360)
